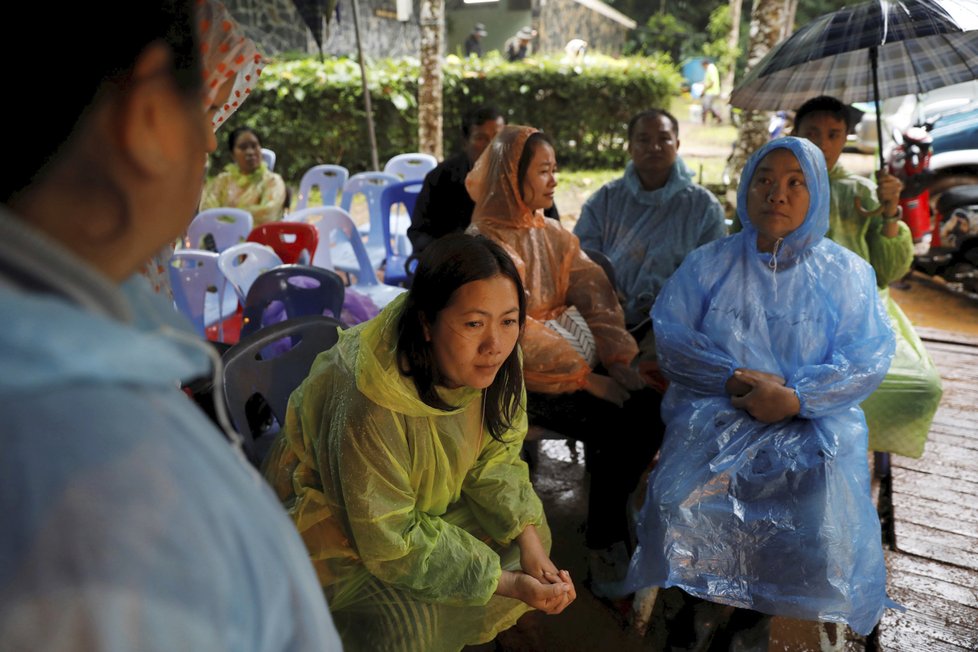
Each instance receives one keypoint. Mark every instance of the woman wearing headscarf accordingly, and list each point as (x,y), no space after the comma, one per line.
(592,395)
(771,338)
(400,464)
(230,65)
(129,521)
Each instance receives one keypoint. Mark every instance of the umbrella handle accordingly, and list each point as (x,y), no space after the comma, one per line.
(874,64)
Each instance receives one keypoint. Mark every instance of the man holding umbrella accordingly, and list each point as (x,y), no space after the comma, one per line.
(865,218)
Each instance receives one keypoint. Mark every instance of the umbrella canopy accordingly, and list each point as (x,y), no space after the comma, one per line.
(920,45)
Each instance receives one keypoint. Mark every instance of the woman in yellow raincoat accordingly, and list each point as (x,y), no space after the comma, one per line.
(595,399)
(400,464)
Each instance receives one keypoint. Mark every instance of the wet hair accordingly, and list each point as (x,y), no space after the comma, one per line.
(444,266)
(824,104)
(477,116)
(50,110)
(653,114)
(529,149)
(237,133)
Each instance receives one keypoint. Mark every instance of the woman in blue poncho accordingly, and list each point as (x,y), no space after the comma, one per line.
(771,338)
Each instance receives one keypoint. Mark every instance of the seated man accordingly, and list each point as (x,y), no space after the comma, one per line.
(649,219)
(443,205)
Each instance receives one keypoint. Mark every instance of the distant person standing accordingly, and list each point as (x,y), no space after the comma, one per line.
(711,91)
(518,46)
(473,44)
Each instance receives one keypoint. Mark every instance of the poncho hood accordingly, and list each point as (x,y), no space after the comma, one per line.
(373,358)
(816,223)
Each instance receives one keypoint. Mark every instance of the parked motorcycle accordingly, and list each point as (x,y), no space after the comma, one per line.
(910,162)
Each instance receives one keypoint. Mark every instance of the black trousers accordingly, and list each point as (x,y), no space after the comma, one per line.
(620,442)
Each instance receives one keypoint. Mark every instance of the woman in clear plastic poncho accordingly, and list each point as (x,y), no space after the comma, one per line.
(400,464)
(511,184)
(771,338)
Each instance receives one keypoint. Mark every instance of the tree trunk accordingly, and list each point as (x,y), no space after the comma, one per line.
(766,24)
(733,41)
(430,85)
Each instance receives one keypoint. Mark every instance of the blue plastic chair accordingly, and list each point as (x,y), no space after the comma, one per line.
(377,230)
(290,291)
(396,204)
(268,365)
(330,179)
(242,263)
(200,290)
(216,229)
(269,157)
(338,230)
(412,166)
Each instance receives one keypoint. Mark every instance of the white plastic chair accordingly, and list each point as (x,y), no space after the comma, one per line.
(339,238)
(216,229)
(269,157)
(412,166)
(330,179)
(242,263)
(371,185)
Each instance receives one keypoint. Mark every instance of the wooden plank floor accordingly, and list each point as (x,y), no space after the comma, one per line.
(934,571)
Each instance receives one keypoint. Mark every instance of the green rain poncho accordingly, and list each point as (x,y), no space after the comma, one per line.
(408,511)
(900,411)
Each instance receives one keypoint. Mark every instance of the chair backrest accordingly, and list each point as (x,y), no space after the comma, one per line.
(271,363)
(371,185)
(412,166)
(200,290)
(294,242)
(342,248)
(290,291)
(600,258)
(242,263)
(396,205)
(330,179)
(216,229)
(269,157)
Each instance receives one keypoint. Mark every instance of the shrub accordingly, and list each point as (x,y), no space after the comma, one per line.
(312,112)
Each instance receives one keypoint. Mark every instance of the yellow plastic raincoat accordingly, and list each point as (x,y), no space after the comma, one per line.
(555,272)
(408,512)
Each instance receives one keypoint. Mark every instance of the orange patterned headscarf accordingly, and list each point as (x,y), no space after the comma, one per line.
(225,53)
(493,183)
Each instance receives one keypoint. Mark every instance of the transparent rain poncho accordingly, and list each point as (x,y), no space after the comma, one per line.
(773,517)
(555,272)
(409,512)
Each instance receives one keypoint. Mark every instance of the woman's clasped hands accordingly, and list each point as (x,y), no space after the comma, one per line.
(763,395)
(540,584)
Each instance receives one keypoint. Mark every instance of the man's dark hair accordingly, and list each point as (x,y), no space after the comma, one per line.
(653,113)
(477,116)
(825,104)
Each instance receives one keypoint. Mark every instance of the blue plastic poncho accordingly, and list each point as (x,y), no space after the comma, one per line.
(773,517)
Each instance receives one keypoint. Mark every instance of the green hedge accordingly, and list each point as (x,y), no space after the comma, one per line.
(311,112)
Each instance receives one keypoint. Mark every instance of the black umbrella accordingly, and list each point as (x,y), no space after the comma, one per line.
(905,46)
